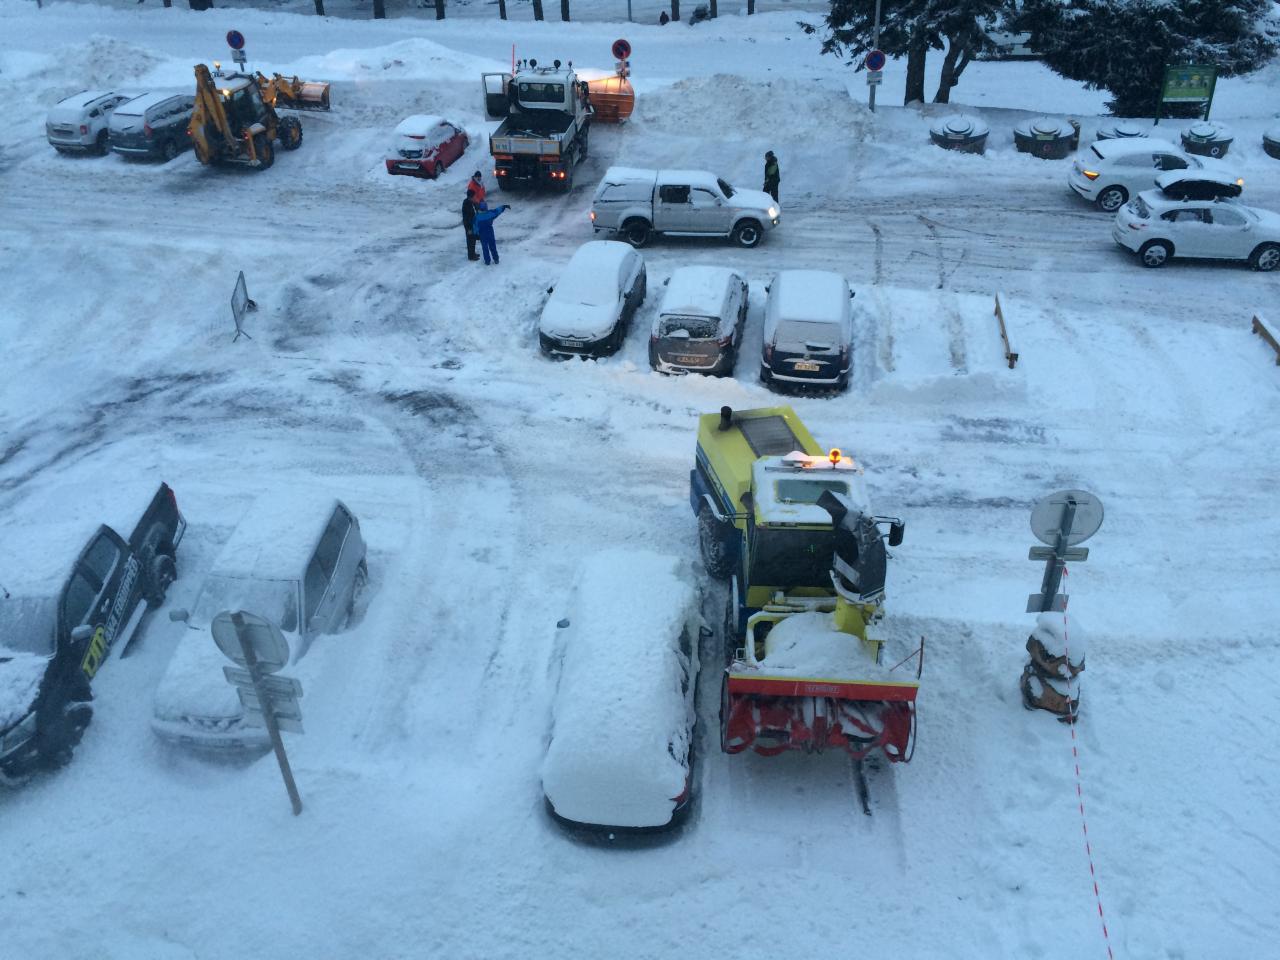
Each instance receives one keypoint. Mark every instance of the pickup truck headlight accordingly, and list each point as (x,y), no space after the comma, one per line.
(17,736)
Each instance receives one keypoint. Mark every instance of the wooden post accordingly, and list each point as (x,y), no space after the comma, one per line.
(1261,330)
(1004,336)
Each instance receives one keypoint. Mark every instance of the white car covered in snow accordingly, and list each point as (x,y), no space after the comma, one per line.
(591,305)
(621,753)
(1157,228)
(1109,172)
(298,562)
(78,123)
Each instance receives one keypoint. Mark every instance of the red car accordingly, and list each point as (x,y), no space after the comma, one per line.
(425,145)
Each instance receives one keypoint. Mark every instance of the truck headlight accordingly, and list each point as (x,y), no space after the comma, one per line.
(773,213)
(16,737)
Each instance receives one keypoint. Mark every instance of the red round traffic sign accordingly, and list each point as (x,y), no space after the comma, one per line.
(235,39)
(875,60)
(621,49)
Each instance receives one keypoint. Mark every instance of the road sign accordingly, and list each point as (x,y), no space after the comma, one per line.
(1036,553)
(874,77)
(235,39)
(269,645)
(276,687)
(621,49)
(875,61)
(284,709)
(1046,516)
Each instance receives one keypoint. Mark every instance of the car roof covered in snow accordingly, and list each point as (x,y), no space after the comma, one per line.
(277,535)
(140,104)
(1124,146)
(593,269)
(817,296)
(629,175)
(623,711)
(698,291)
(419,124)
(84,98)
(1172,177)
(692,178)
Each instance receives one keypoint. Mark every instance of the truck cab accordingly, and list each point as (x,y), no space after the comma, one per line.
(546,119)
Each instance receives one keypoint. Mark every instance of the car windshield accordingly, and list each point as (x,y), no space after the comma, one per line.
(692,328)
(276,600)
(807,334)
(782,557)
(542,92)
(27,624)
(807,489)
(727,190)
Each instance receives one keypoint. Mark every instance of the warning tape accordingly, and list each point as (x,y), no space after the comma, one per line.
(1075,755)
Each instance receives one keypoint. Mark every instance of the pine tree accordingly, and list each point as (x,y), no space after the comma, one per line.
(1123,46)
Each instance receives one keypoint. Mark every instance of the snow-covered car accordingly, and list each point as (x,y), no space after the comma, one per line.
(698,328)
(1157,228)
(620,758)
(298,562)
(1199,185)
(591,305)
(152,126)
(1109,172)
(424,145)
(78,123)
(808,330)
(79,591)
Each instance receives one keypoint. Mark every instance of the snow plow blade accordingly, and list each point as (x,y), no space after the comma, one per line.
(833,689)
(612,99)
(294,94)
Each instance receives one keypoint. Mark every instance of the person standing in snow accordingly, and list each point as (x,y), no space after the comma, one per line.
(476,186)
(469,223)
(484,228)
(772,176)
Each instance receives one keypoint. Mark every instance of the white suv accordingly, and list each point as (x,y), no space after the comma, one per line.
(1156,228)
(78,123)
(1109,172)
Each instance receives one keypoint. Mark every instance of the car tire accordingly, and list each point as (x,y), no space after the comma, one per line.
(748,233)
(1111,199)
(1266,257)
(62,727)
(357,588)
(170,150)
(289,131)
(636,232)
(161,570)
(102,145)
(644,286)
(713,544)
(766,376)
(1155,253)
(265,151)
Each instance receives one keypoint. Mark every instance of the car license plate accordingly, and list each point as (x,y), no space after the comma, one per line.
(808,366)
(407,166)
(692,361)
(572,343)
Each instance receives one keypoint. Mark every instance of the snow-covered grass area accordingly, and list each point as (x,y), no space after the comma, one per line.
(384,364)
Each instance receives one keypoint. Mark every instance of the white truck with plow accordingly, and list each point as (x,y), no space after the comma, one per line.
(546,122)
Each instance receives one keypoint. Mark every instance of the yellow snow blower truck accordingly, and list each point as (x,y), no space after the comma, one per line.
(235,120)
(810,665)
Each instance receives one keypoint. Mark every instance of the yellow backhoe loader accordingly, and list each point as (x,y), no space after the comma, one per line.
(235,121)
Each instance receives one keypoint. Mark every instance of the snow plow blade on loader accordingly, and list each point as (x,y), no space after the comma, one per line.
(290,93)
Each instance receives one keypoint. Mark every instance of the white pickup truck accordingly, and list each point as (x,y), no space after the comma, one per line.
(639,203)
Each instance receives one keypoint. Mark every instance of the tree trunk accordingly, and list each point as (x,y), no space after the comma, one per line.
(379,9)
(502,9)
(167,4)
(675,10)
(319,8)
(751,7)
(916,53)
(564,10)
(949,72)
(439,9)
(537,9)
(714,11)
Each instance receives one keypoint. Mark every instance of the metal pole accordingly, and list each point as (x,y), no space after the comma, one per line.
(875,45)
(628,11)
(268,714)
(1053,567)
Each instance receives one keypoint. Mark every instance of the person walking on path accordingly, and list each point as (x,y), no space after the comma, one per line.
(484,228)
(772,176)
(476,186)
(469,223)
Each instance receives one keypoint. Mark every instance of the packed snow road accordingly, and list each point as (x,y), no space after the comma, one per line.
(386,366)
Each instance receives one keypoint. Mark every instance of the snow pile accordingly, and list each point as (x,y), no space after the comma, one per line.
(1052,632)
(100,63)
(20,675)
(622,718)
(809,645)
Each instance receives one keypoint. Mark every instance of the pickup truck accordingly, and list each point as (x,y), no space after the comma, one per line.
(58,624)
(694,203)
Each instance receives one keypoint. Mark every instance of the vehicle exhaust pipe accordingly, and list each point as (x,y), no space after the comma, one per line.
(726,418)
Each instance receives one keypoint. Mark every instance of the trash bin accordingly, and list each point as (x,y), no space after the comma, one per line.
(958,132)
(1121,130)
(1271,142)
(1207,139)
(1047,138)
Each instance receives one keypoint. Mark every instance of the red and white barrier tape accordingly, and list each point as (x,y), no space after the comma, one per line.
(1075,755)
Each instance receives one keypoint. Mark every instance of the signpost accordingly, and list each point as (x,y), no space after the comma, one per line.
(1188,83)
(240,305)
(875,52)
(1061,520)
(235,40)
(259,647)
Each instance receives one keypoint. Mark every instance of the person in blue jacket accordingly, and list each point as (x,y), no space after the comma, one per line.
(484,230)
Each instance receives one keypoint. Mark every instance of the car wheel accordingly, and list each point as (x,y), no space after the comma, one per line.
(766,376)
(644,286)
(101,146)
(713,543)
(160,572)
(1112,199)
(290,133)
(170,150)
(265,151)
(748,233)
(1266,258)
(62,727)
(357,588)
(636,232)
(1154,253)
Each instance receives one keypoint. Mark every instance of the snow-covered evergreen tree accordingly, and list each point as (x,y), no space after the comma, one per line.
(1123,46)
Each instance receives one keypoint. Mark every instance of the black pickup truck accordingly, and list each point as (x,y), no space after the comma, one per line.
(57,627)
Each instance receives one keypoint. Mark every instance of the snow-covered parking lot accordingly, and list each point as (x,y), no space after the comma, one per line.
(385,366)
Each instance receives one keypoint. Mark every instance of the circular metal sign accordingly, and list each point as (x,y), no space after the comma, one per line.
(269,645)
(621,49)
(1046,516)
(235,39)
(875,60)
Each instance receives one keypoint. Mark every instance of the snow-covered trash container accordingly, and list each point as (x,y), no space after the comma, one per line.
(1047,138)
(1271,142)
(1121,130)
(959,132)
(1051,679)
(620,758)
(1207,139)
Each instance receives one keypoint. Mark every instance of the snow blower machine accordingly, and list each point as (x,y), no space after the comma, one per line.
(810,663)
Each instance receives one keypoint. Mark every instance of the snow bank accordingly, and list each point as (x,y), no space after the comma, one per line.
(623,712)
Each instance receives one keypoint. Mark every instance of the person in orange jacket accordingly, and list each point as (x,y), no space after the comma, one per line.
(476,187)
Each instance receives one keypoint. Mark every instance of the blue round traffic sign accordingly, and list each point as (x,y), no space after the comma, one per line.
(235,39)
(875,60)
